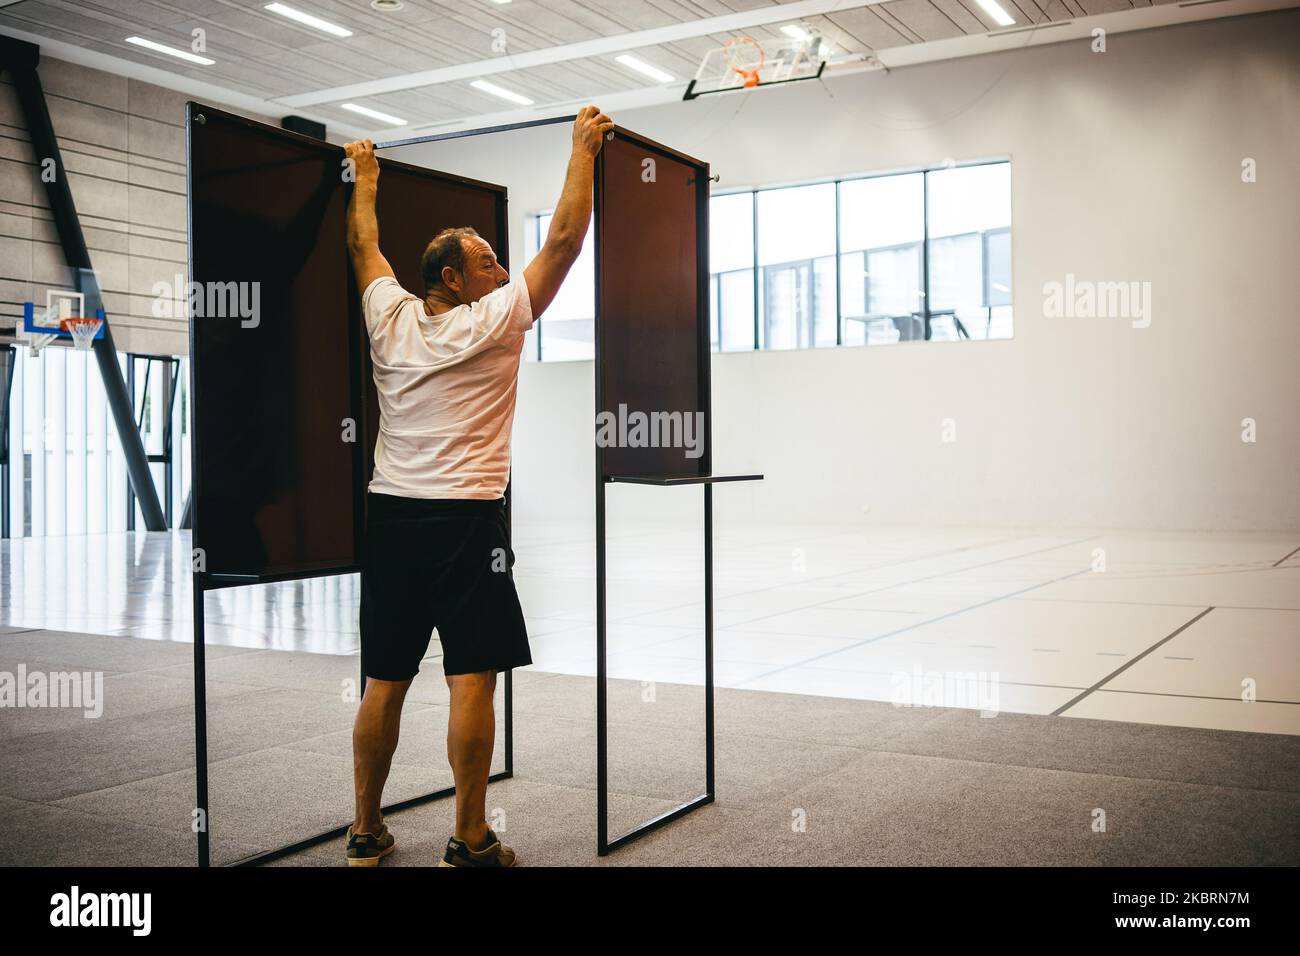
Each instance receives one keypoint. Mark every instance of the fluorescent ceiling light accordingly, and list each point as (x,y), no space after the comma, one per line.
(1000,16)
(797,32)
(502,92)
(308,20)
(641,66)
(170,51)
(373,114)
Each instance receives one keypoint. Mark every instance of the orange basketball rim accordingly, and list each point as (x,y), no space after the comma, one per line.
(745,56)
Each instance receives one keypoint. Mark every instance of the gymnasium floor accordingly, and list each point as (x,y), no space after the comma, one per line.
(1165,634)
(817,630)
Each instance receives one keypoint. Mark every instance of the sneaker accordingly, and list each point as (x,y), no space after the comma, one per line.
(495,853)
(367,849)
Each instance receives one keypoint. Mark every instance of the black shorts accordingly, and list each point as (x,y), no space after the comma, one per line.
(439,563)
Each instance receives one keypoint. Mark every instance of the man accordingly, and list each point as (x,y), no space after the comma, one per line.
(436,551)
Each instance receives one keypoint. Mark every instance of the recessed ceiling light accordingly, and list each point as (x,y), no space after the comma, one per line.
(373,114)
(505,94)
(1000,16)
(641,66)
(795,31)
(385,6)
(308,20)
(170,51)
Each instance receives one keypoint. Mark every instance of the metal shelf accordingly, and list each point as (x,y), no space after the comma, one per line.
(678,479)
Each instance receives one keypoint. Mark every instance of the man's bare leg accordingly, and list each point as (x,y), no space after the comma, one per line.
(374,738)
(471,736)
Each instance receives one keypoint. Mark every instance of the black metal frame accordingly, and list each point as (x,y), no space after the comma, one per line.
(690,93)
(7,385)
(604,845)
(171,369)
(204,582)
(462,133)
(215,582)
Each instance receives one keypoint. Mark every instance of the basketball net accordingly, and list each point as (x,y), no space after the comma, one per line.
(745,56)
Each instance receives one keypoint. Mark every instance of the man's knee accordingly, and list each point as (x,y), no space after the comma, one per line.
(483,682)
(386,693)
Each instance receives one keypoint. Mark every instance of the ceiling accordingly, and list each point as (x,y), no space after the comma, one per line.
(558,52)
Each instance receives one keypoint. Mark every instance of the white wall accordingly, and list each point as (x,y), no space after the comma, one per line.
(1126,166)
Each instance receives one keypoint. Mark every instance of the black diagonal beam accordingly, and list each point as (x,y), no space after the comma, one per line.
(8,359)
(21,60)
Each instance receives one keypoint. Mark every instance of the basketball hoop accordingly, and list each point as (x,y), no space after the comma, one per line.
(743,64)
(83,330)
(745,56)
(64,317)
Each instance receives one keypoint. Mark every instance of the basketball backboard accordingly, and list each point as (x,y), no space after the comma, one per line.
(747,63)
(64,317)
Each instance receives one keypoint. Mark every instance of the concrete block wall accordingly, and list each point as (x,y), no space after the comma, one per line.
(123,145)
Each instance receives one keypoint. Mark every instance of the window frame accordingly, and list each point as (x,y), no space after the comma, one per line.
(533,227)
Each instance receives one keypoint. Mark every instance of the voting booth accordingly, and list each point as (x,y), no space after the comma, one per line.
(285,419)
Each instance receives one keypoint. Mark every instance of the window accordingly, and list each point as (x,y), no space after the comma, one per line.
(567,329)
(882,231)
(917,256)
(969,227)
(796,256)
(68,473)
(731,261)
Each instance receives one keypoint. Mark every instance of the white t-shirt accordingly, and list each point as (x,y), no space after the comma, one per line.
(447,387)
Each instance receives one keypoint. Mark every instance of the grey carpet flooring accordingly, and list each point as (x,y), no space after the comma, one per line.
(801,780)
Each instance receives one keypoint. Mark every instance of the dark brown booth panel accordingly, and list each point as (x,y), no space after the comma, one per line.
(278,492)
(652,298)
(414,205)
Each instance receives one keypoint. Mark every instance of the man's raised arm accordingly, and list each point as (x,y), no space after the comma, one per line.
(572,213)
(368,262)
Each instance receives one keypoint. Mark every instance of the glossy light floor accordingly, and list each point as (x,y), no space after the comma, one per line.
(1193,630)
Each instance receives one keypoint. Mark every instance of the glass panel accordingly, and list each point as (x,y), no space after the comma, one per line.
(795,227)
(796,223)
(823,304)
(787,306)
(713,313)
(731,260)
(881,230)
(736,305)
(532,242)
(956,273)
(59,415)
(567,328)
(853,296)
(54,435)
(970,251)
(997,252)
(731,232)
